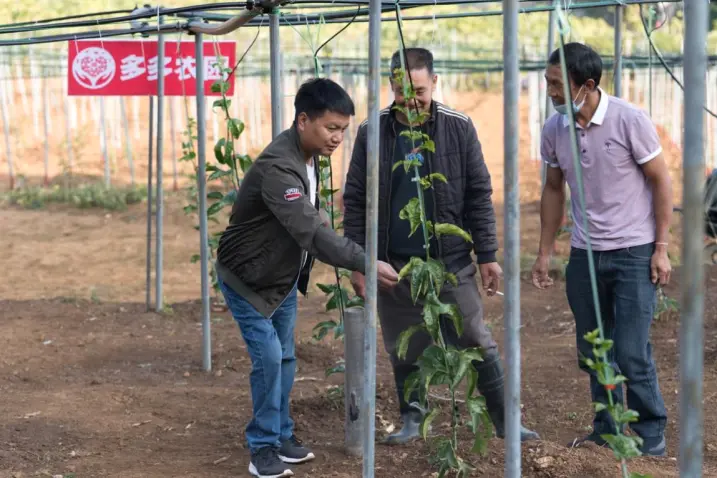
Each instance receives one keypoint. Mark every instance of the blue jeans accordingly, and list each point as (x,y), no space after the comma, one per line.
(627,304)
(270,343)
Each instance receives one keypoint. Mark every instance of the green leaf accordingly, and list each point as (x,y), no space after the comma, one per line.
(472,381)
(222,103)
(480,423)
(405,338)
(419,282)
(218,150)
(442,229)
(321,329)
(432,314)
(412,382)
(215,195)
(623,446)
(452,279)
(592,337)
(188,156)
(196,258)
(245,162)
(432,360)
(220,86)
(215,208)
(436,271)
(464,364)
(327,288)
(405,270)
(426,422)
(427,181)
(338,368)
(412,213)
(635,474)
(236,127)
(599,407)
(454,313)
(230,198)
(219,173)
(429,145)
(355,301)
(447,454)
(629,416)
(327,193)
(339,297)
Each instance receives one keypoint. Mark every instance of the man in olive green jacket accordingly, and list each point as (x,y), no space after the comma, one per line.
(266,255)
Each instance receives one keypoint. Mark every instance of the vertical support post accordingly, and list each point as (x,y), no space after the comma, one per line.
(368,410)
(46,124)
(103,141)
(511,116)
(693,287)
(173,142)
(127,140)
(549,110)
(159,242)
(6,130)
(617,70)
(149,204)
(277,100)
(355,327)
(68,131)
(202,191)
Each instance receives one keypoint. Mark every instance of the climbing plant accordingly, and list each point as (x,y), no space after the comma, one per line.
(227,164)
(440,364)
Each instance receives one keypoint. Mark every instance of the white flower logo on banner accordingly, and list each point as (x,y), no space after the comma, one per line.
(94,68)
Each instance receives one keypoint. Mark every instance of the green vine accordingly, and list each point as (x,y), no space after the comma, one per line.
(440,364)
(228,162)
(339,296)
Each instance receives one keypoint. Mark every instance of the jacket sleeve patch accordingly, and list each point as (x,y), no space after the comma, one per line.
(292,194)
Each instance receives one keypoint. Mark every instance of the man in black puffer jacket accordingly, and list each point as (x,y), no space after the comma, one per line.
(464,200)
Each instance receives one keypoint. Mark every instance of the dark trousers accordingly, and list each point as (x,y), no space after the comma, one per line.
(627,304)
(397,313)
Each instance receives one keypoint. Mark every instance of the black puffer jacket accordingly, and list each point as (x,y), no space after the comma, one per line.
(465,200)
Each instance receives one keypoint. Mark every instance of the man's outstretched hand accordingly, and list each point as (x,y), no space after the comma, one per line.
(387,278)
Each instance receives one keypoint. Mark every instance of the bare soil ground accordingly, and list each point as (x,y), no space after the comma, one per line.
(93,385)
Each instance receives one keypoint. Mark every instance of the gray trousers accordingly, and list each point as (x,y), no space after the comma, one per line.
(397,313)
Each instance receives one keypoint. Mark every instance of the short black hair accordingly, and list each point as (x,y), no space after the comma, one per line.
(418,58)
(319,95)
(583,63)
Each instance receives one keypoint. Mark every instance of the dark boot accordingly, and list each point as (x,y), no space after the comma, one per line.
(409,431)
(411,414)
(491,386)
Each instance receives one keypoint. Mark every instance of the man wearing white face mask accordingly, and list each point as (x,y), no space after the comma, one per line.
(628,204)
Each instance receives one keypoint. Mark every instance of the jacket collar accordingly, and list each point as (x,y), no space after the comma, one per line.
(295,142)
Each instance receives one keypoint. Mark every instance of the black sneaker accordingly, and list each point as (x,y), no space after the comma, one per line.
(292,451)
(265,463)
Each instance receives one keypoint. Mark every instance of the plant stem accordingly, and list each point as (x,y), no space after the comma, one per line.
(454,420)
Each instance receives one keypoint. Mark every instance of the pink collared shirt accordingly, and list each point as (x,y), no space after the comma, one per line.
(618,199)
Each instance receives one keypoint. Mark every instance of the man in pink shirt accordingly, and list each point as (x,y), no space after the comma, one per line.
(628,203)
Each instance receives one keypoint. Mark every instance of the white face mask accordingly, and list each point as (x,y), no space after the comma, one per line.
(563,109)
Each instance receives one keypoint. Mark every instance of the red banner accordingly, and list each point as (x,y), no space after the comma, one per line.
(129,67)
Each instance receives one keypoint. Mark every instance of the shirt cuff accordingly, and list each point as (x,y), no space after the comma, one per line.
(551,163)
(485,257)
(650,156)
